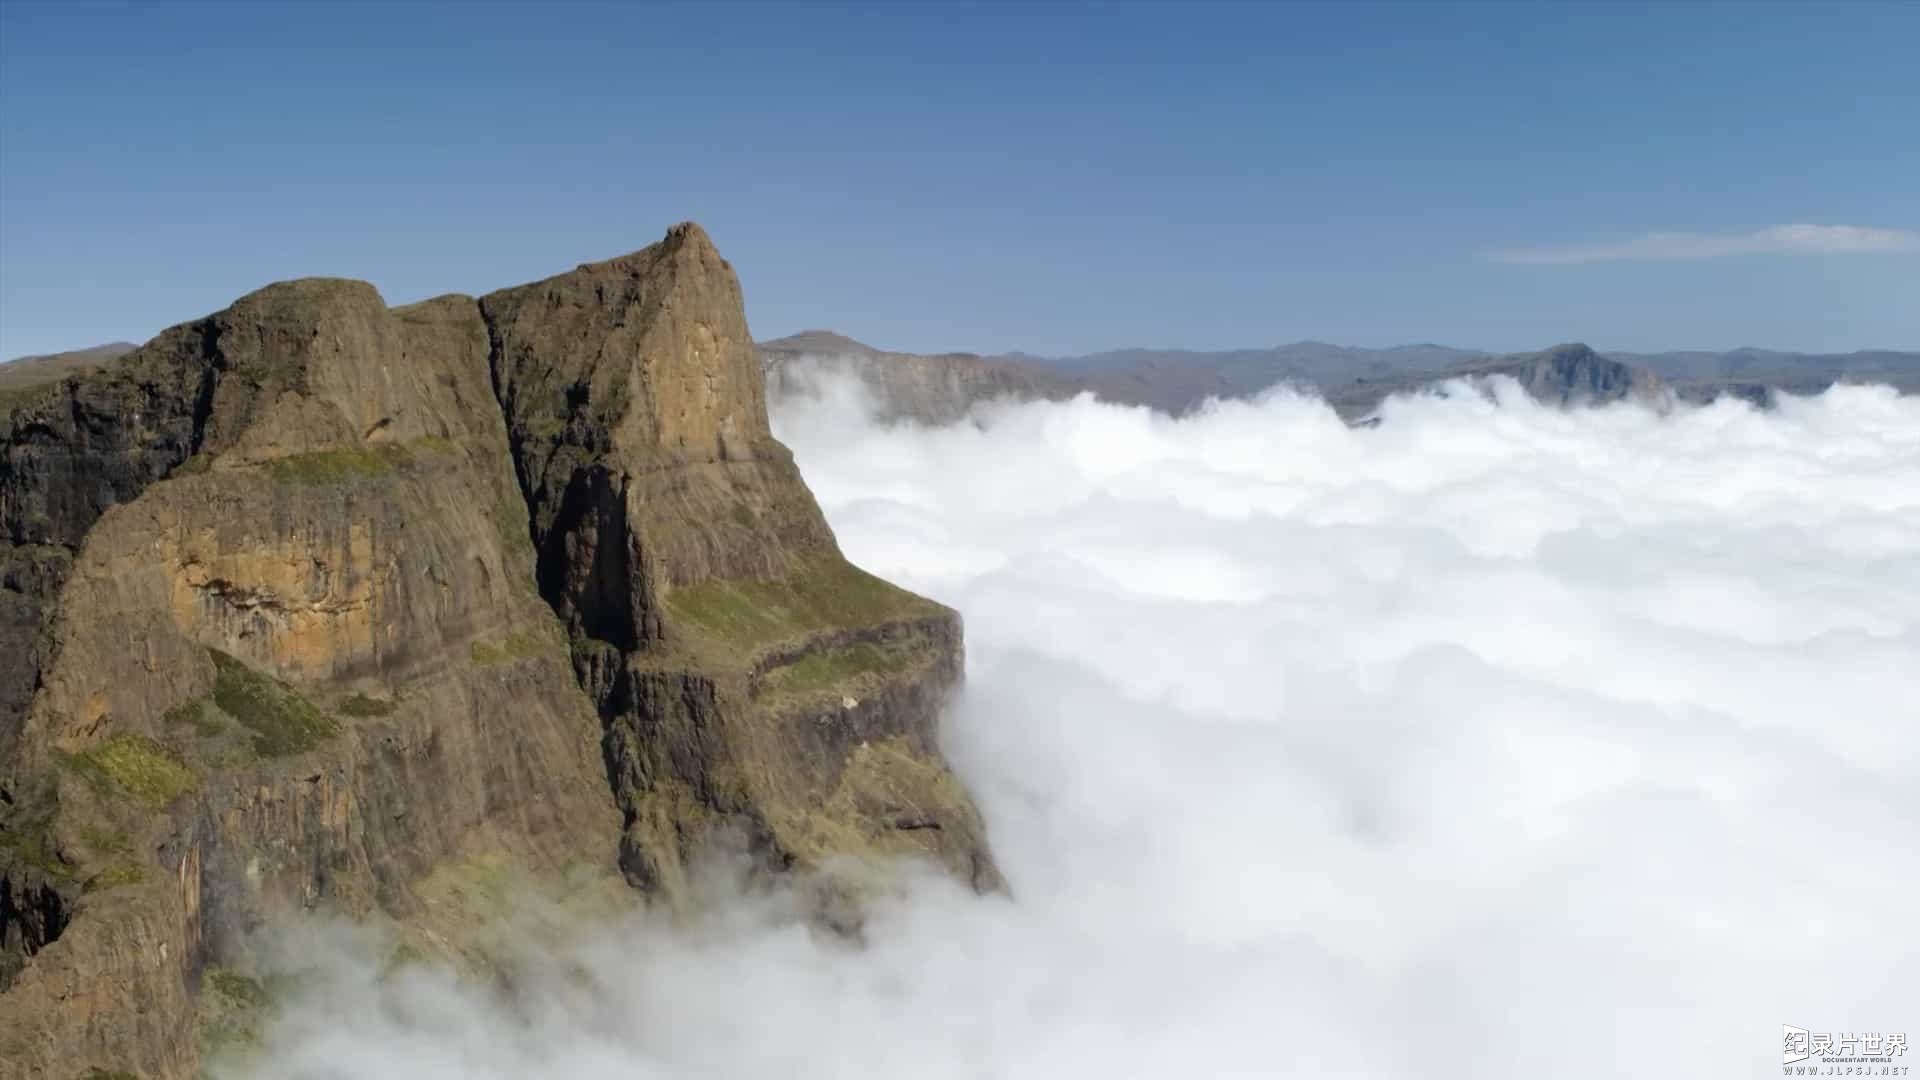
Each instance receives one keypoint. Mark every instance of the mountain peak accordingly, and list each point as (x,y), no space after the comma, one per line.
(1572,350)
(821,342)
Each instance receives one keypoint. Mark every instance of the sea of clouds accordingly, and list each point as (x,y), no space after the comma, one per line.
(1496,741)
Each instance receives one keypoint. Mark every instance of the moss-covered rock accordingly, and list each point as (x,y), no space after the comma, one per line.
(733,620)
(281,719)
(134,767)
(361,706)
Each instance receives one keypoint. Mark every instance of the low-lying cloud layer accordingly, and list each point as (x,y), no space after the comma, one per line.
(1772,240)
(1495,741)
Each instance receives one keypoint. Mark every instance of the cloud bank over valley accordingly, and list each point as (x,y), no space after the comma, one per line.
(1495,741)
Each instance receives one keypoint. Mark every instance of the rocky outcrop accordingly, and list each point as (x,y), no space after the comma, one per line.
(743,668)
(926,389)
(313,599)
(1571,375)
(1565,375)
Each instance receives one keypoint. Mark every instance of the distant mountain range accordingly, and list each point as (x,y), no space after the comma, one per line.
(935,389)
(940,388)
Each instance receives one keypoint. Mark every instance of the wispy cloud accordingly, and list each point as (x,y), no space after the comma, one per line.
(1772,240)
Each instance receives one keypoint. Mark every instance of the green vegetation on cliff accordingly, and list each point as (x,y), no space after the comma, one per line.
(240,989)
(114,852)
(887,794)
(519,645)
(335,466)
(732,620)
(193,714)
(361,706)
(345,463)
(31,843)
(232,1009)
(281,720)
(136,766)
(836,671)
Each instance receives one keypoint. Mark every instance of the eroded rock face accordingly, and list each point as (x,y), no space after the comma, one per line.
(310,599)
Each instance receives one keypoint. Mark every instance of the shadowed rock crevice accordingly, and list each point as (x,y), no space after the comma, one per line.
(33,912)
(586,570)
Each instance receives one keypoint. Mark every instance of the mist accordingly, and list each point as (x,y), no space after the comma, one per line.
(1496,740)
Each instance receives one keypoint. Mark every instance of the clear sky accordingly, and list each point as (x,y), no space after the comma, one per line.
(1049,178)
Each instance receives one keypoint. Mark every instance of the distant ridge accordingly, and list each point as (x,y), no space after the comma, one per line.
(1353,380)
(905,386)
(1571,374)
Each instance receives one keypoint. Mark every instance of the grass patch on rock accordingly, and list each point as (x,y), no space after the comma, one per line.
(229,1014)
(737,619)
(136,766)
(31,843)
(339,465)
(193,714)
(237,988)
(119,872)
(361,706)
(344,463)
(105,842)
(480,909)
(889,799)
(519,645)
(282,721)
(832,672)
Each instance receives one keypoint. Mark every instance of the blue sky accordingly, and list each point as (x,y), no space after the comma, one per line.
(1050,178)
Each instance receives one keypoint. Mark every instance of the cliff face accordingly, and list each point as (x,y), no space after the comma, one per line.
(752,681)
(310,600)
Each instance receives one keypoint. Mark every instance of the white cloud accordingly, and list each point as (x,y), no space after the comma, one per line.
(1772,240)
(1493,742)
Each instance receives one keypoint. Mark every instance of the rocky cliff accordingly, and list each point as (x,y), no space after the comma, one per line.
(311,602)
